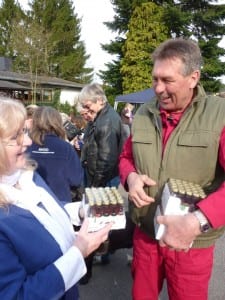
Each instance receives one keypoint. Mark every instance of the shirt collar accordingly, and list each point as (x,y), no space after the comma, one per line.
(172,117)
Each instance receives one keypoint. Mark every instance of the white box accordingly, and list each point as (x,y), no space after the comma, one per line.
(96,223)
(170,205)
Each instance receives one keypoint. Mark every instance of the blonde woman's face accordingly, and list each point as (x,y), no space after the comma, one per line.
(15,147)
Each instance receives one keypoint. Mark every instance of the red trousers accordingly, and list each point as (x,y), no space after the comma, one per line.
(187,273)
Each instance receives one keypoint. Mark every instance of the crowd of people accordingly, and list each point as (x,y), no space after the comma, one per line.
(48,159)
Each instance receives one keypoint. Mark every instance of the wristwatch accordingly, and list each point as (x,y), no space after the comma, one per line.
(204,223)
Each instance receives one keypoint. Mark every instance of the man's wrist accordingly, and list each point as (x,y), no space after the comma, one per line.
(128,179)
(131,175)
(203,221)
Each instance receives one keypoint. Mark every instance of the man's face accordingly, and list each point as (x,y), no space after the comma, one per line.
(93,107)
(173,90)
(87,115)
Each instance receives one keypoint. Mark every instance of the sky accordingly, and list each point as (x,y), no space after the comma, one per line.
(94,33)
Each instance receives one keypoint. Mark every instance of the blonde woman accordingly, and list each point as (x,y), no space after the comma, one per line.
(40,256)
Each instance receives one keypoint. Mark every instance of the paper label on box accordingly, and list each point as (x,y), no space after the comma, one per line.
(96,223)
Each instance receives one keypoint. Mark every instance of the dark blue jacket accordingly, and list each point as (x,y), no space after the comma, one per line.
(58,164)
(27,256)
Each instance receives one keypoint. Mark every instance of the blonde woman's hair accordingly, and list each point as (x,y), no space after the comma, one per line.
(12,118)
(46,120)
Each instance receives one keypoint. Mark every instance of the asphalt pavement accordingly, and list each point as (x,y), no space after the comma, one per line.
(113,281)
(109,282)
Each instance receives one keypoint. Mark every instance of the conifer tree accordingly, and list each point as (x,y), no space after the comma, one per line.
(45,39)
(201,20)
(9,11)
(67,58)
(112,76)
(146,32)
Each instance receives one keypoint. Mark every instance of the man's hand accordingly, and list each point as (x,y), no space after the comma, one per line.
(180,231)
(136,185)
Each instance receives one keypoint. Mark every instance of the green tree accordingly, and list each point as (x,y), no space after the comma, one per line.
(9,11)
(146,31)
(67,57)
(62,53)
(31,51)
(112,77)
(201,20)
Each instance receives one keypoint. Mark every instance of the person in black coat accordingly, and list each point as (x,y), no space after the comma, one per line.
(103,141)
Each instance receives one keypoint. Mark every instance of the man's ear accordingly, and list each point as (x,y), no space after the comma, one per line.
(195,77)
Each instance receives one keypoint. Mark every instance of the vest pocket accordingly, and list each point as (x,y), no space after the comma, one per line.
(197,150)
(195,139)
(143,137)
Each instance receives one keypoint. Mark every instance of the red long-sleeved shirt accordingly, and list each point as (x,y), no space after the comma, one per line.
(213,206)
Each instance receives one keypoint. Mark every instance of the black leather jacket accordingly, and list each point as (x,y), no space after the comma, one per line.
(102,147)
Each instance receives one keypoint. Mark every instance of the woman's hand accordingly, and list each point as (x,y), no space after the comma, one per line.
(87,242)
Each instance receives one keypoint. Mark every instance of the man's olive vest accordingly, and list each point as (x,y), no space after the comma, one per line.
(191,154)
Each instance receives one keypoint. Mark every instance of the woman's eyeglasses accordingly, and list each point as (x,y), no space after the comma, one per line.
(17,139)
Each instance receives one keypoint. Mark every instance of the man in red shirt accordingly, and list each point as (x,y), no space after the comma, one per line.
(180,134)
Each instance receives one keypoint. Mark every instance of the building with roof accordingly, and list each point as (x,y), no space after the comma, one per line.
(22,86)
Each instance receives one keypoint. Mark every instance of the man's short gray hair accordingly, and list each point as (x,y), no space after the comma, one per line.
(186,50)
(92,92)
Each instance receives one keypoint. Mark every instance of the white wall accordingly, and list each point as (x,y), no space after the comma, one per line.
(68,96)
